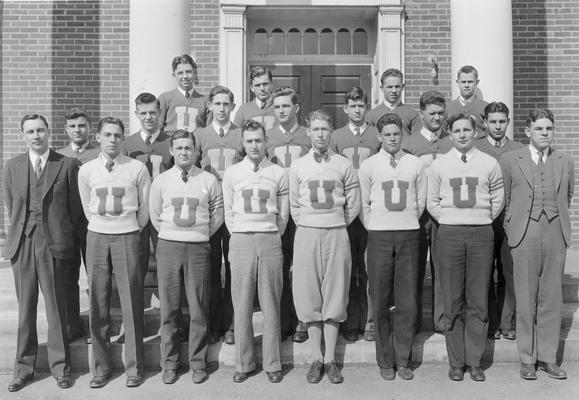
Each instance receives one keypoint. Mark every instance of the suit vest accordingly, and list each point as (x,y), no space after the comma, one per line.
(544,194)
(34,214)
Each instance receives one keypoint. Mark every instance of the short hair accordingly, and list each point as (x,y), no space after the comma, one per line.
(182,134)
(389,119)
(461,116)
(355,93)
(391,72)
(496,107)
(221,90)
(319,115)
(31,117)
(113,121)
(467,69)
(539,113)
(252,125)
(285,91)
(432,97)
(258,71)
(183,59)
(147,98)
(75,113)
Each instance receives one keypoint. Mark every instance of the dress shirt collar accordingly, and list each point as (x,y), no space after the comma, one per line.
(392,106)
(292,130)
(154,136)
(225,127)
(43,158)
(353,128)
(469,154)
(428,134)
(535,155)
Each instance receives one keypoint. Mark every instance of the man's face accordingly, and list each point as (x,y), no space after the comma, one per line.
(462,135)
(148,115)
(36,134)
(392,88)
(433,116)
(467,84)
(261,87)
(541,133)
(320,133)
(221,106)
(183,152)
(110,138)
(77,130)
(356,111)
(496,125)
(391,138)
(184,75)
(254,144)
(285,111)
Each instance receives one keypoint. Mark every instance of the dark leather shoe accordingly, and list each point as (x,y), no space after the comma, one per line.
(477,374)
(333,372)
(135,381)
(456,373)
(169,376)
(350,336)
(274,377)
(528,372)
(239,377)
(388,374)
(494,335)
(370,336)
(88,340)
(316,372)
(213,337)
(405,373)
(99,381)
(199,376)
(553,370)
(300,336)
(229,337)
(510,334)
(17,384)
(64,382)
(121,339)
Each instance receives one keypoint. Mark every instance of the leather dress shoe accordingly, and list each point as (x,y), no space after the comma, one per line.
(456,373)
(405,373)
(121,339)
(552,370)
(370,336)
(99,381)
(333,372)
(510,334)
(274,377)
(388,374)
(213,337)
(199,376)
(476,374)
(73,336)
(316,372)
(169,376)
(88,339)
(64,382)
(300,337)
(528,372)
(229,337)
(17,384)
(135,381)
(494,335)
(350,336)
(239,377)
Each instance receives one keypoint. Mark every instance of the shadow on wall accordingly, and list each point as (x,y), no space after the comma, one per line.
(530,58)
(3,219)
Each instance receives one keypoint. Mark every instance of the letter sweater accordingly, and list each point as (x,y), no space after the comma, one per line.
(427,151)
(250,110)
(285,149)
(355,148)
(476,109)
(177,112)
(484,145)
(214,153)
(408,114)
(156,156)
(323,194)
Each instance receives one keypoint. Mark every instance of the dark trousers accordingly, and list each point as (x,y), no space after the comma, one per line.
(118,255)
(32,266)
(72,290)
(148,234)
(358,295)
(466,254)
(220,305)
(183,264)
(288,317)
(393,259)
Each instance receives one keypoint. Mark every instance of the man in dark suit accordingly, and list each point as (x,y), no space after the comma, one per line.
(77,127)
(539,183)
(41,194)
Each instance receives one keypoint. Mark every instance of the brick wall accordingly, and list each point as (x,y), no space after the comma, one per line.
(205,42)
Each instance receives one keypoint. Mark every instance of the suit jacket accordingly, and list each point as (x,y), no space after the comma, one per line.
(61,207)
(518,179)
(90,152)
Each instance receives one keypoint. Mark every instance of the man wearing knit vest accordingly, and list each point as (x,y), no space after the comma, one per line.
(393,191)
(186,208)
(259,109)
(357,141)
(468,101)
(392,85)
(501,290)
(427,144)
(539,182)
(218,146)
(324,200)
(287,142)
(465,195)
(255,194)
(77,128)
(183,107)
(114,190)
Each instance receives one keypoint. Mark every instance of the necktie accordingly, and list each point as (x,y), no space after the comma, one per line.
(76,151)
(263,104)
(463,158)
(319,157)
(498,143)
(148,140)
(540,162)
(187,94)
(392,162)
(357,131)
(255,167)
(38,168)
(109,165)
(433,138)
(221,132)
(184,176)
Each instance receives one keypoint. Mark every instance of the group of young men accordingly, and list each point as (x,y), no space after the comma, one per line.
(311,218)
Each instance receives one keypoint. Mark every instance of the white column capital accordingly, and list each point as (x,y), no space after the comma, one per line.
(391,17)
(233,16)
